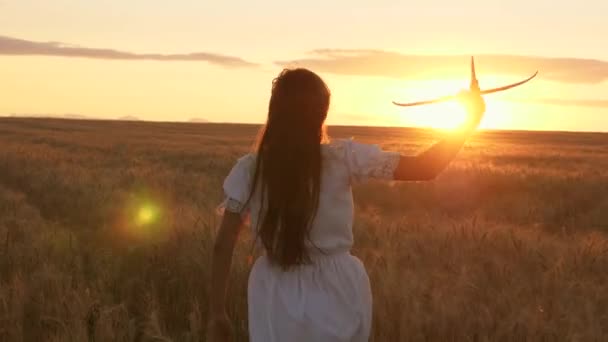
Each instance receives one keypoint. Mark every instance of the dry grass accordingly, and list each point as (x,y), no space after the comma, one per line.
(510,243)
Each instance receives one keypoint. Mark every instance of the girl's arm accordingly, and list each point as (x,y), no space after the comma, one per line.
(219,327)
(430,163)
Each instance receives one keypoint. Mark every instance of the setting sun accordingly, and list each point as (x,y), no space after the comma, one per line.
(447,115)
(146,215)
(451,114)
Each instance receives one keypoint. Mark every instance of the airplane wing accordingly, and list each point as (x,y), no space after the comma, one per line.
(441,99)
(452,97)
(494,90)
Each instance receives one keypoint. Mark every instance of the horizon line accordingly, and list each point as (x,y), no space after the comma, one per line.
(14,117)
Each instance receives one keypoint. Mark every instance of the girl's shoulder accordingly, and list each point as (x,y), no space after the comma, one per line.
(246,159)
(245,164)
(336,148)
(238,181)
(363,160)
(242,171)
(347,148)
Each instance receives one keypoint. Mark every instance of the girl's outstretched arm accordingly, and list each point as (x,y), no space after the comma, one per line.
(430,163)
(219,327)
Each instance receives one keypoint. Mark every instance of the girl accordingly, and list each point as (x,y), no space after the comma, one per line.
(296,192)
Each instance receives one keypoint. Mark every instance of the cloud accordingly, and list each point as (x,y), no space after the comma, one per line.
(20,47)
(593,103)
(417,67)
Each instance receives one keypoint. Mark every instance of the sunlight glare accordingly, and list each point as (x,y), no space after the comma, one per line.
(147,214)
(450,115)
(145,217)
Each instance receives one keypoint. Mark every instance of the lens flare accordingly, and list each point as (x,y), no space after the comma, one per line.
(146,214)
(146,217)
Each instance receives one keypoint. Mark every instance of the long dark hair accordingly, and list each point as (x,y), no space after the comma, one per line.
(288,165)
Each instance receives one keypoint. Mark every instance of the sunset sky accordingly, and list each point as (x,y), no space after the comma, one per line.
(215,60)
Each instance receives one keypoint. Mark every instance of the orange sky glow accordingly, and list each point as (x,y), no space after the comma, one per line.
(192,60)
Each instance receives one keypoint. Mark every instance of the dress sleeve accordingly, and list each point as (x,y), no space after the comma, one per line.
(237,186)
(367,161)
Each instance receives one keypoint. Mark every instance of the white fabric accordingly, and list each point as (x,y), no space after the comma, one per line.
(329,300)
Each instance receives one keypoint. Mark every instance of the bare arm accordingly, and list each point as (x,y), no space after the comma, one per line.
(222,260)
(219,325)
(430,163)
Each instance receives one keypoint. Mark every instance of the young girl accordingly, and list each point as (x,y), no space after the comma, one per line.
(295,191)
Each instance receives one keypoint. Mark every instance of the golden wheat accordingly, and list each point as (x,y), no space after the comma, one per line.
(107,227)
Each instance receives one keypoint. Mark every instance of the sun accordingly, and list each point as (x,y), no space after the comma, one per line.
(146,215)
(451,115)
(448,115)
(445,115)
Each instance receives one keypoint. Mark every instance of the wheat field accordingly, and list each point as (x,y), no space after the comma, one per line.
(106,230)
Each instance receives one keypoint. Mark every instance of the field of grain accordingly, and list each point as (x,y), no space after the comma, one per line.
(106,231)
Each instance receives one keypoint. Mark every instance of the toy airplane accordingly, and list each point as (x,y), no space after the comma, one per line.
(474,86)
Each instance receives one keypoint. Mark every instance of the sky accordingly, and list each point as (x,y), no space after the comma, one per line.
(215,60)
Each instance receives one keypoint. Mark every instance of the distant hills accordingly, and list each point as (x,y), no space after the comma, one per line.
(129,118)
(85,117)
(75,116)
(198,120)
(53,116)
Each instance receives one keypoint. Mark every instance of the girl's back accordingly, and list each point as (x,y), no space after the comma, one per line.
(328,299)
(344,162)
(296,192)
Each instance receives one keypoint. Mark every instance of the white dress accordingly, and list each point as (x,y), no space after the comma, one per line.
(330,299)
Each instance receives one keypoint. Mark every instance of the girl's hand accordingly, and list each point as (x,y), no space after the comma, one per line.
(219,329)
(475,107)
